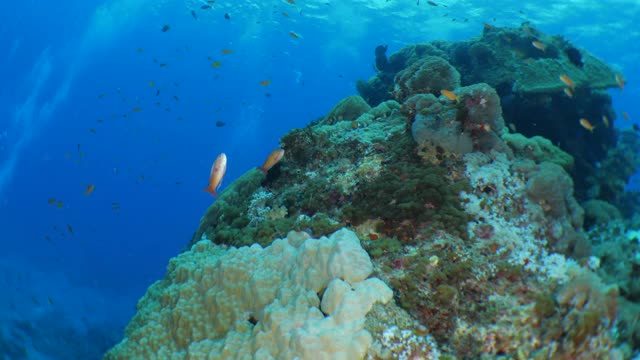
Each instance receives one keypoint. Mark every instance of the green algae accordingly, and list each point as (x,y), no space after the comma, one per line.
(408,196)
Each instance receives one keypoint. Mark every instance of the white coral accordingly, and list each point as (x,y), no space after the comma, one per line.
(518,234)
(299,298)
(406,345)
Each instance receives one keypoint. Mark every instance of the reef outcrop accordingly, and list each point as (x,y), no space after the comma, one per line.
(492,240)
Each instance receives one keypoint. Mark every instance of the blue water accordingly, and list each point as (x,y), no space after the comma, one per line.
(71,276)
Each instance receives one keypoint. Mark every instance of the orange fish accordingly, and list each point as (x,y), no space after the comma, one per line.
(216,64)
(294,35)
(265,82)
(587,125)
(567,81)
(568,92)
(538,45)
(273,159)
(605,120)
(227,51)
(620,81)
(90,189)
(625,115)
(217,173)
(449,94)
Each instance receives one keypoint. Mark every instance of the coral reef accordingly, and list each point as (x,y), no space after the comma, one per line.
(428,75)
(497,244)
(532,97)
(298,297)
(538,149)
(349,109)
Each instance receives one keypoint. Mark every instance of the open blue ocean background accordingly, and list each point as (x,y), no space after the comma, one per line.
(95,93)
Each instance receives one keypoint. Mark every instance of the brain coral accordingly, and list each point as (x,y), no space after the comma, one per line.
(298,298)
(427,75)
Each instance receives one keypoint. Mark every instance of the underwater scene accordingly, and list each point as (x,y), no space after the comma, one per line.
(319,179)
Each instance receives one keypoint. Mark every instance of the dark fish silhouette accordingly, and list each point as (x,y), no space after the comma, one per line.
(226,16)
(166,28)
(220,123)
(193,14)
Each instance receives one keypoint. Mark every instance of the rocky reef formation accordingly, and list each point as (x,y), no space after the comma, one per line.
(535,102)
(486,236)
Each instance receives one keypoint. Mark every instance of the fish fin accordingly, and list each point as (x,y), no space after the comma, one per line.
(211,191)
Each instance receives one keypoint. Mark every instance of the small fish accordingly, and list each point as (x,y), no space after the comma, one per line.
(217,173)
(50,300)
(100,121)
(284,14)
(587,125)
(140,50)
(216,64)
(432,3)
(151,83)
(220,123)
(89,189)
(164,64)
(373,236)
(292,2)
(567,81)
(34,300)
(176,98)
(226,51)
(194,15)
(449,94)
(165,28)
(294,35)
(512,127)
(158,92)
(620,81)
(273,159)
(205,7)
(136,109)
(51,201)
(605,120)
(227,16)
(265,82)
(625,116)
(568,92)
(70,229)
(486,127)
(538,45)
(92,130)
(115,206)
(59,204)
